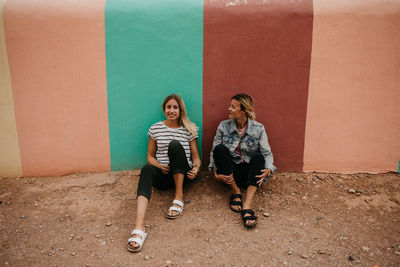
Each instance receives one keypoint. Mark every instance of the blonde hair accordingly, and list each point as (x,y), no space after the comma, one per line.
(183,118)
(246,104)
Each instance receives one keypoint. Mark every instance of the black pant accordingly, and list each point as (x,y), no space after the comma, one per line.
(243,173)
(152,176)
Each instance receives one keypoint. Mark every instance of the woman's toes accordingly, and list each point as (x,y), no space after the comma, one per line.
(134,244)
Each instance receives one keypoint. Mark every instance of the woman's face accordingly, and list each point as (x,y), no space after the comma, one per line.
(235,111)
(171,110)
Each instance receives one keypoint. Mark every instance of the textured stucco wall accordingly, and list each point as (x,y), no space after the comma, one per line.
(81,82)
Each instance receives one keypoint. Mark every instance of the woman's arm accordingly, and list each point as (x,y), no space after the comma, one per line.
(265,150)
(196,159)
(151,159)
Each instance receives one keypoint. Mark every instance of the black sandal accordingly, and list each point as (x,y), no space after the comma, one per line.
(248,218)
(233,202)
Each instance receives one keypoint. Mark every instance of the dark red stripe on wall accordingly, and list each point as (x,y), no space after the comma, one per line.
(263,49)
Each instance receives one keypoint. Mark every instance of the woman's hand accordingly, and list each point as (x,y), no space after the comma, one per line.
(228,179)
(164,168)
(264,173)
(192,173)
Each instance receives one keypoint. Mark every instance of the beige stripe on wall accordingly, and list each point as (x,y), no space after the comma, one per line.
(10,160)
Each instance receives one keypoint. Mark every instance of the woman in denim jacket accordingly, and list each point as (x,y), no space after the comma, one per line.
(241,155)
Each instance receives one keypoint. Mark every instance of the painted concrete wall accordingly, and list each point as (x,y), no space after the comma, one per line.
(353,113)
(263,49)
(153,50)
(57,65)
(81,82)
(10,161)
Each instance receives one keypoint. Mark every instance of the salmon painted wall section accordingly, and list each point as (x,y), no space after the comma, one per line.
(353,117)
(10,161)
(262,48)
(154,48)
(56,57)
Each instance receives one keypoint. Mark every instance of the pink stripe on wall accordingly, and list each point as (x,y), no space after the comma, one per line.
(353,116)
(56,53)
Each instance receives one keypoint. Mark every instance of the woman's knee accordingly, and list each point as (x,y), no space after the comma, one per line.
(174,146)
(258,157)
(220,148)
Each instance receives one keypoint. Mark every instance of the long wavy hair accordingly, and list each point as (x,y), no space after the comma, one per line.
(246,104)
(183,118)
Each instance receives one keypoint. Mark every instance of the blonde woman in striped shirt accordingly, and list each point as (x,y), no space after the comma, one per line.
(172,157)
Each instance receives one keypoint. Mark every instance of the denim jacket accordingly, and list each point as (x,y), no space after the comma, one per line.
(255,140)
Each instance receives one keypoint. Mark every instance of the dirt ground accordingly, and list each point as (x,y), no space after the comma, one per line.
(305,219)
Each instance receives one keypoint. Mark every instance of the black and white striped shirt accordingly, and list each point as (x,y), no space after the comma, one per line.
(164,135)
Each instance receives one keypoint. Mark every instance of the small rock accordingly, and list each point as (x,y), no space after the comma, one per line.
(304,198)
(321,252)
(79,238)
(61,219)
(189,261)
(187,201)
(147,257)
(290,252)
(365,249)
(50,254)
(73,253)
(397,252)
(351,258)
(351,191)
(304,256)
(108,224)
(299,180)
(1,202)
(260,209)
(8,203)
(148,225)
(319,218)
(359,191)
(102,243)
(71,236)
(22,217)
(265,214)
(97,236)
(168,263)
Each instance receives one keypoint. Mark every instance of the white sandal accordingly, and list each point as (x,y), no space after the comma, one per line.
(173,208)
(137,240)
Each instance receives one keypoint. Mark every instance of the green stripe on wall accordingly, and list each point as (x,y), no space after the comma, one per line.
(153,49)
